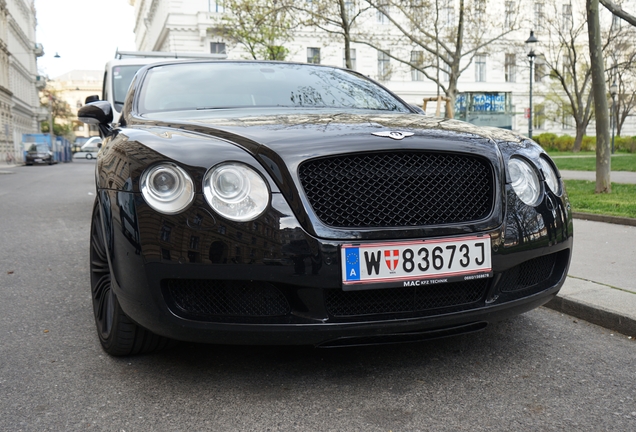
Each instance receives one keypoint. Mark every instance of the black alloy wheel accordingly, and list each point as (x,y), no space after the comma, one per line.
(118,335)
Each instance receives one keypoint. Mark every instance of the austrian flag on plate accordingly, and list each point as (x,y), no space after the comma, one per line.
(392,257)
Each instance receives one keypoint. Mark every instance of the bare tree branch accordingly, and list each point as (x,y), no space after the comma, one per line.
(618,11)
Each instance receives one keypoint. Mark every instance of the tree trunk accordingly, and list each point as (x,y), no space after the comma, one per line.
(578,139)
(603,156)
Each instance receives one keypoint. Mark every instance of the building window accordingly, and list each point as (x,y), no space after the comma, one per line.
(445,69)
(566,17)
(480,68)
(352,55)
(349,8)
(480,9)
(194,242)
(382,12)
(448,14)
(539,68)
(616,22)
(217,47)
(566,117)
(566,65)
(539,17)
(222,229)
(164,235)
(509,15)
(384,66)
(215,6)
(510,68)
(313,55)
(417,59)
(539,116)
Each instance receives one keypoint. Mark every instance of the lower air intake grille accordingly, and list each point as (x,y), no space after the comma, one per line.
(408,299)
(528,274)
(210,298)
(398,189)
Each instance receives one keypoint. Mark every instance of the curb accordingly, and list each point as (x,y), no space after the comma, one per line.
(605,218)
(594,315)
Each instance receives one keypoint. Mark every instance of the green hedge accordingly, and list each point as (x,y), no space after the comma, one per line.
(553,142)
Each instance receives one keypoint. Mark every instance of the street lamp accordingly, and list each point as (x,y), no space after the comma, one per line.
(531,55)
(613,90)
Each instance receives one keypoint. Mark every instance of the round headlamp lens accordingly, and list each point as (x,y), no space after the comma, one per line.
(230,183)
(551,178)
(524,180)
(167,188)
(164,182)
(236,191)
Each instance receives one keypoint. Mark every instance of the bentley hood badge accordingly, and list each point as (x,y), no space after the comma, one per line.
(396,135)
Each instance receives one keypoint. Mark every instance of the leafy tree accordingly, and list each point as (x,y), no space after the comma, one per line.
(621,54)
(444,41)
(337,18)
(603,158)
(60,110)
(261,26)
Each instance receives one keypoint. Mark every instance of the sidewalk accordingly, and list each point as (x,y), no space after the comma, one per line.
(601,283)
(616,176)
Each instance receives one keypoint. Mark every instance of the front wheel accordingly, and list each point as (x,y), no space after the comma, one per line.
(118,334)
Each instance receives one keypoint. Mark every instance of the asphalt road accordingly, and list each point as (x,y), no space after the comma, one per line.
(540,371)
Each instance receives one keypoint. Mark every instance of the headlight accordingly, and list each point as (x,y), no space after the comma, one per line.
(167,188)
(524,180)
(236,191)
(551,178)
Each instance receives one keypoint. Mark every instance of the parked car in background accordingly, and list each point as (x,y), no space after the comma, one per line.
(39,153)
(89,149)
(78,143)
(260,202)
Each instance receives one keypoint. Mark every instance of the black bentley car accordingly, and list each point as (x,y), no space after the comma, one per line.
(280,203)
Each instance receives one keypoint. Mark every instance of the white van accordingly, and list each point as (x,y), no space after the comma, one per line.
(89,149)
(119,73)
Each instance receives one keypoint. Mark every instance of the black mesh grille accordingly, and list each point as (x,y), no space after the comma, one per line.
(398,189)
(407,299)
(209,298)
(528,274)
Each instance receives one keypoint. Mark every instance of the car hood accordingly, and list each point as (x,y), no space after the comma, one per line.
(302,131)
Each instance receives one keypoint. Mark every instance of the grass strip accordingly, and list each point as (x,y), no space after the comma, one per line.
(620,161)
(621,202)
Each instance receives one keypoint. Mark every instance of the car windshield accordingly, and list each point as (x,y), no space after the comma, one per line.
(39,148)
(205,86)
(122,76)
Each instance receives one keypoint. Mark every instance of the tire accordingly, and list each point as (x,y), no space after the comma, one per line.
(118,334)
(89,156)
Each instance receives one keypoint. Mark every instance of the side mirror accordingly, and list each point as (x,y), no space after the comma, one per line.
(91,98)
(99,113)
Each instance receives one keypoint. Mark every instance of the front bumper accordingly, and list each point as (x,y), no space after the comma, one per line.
(195,278)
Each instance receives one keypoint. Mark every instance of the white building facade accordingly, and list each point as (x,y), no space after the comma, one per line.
(494,86)
(19,101)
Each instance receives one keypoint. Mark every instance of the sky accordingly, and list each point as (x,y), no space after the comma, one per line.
(85,33)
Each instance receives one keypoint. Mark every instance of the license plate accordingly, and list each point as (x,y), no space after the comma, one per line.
(38,160)
(415,263)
